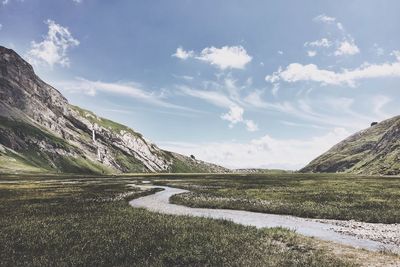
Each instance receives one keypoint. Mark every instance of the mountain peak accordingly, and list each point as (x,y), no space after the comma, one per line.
(10,59)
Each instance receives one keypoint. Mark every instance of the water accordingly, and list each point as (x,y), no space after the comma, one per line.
(159,202)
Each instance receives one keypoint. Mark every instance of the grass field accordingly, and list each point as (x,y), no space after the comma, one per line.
(86,221)
(329,196)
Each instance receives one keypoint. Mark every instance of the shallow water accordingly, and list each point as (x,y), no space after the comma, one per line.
(159,202)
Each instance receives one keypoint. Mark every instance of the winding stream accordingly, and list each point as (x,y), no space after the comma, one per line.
(159,202)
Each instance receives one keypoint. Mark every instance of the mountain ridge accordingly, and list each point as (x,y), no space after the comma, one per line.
(372,151)
(40,129)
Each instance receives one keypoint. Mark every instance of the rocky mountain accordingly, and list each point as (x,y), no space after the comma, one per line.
(375,150)
(41,131)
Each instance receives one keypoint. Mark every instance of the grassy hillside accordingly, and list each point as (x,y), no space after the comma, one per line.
(106,123)
(184,164)
(32,148)
(375,150)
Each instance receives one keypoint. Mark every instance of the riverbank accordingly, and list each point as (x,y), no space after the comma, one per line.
(328,230)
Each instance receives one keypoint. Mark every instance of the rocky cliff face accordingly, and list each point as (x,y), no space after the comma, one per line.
(39,128)
(375,150)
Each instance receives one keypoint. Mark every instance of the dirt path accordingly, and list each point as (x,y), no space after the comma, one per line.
(328,230)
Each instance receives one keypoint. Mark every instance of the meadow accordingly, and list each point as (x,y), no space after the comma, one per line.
(86,221)
(323,196)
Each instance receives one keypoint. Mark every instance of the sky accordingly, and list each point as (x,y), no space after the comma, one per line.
(244,84)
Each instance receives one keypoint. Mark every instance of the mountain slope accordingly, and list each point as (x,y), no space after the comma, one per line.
(40,129)
(375,150)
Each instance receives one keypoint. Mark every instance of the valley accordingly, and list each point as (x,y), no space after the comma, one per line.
(86,220)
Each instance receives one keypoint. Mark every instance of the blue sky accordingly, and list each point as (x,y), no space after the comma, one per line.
(268,84)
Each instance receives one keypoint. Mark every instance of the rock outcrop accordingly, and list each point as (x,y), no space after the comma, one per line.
(40,129)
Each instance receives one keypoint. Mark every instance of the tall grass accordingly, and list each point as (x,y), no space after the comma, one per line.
(84,222)
(329,196)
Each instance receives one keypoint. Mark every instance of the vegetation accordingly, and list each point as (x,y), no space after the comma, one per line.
(373,151)
(106,123)
(13,162)
(86,221)
(328,196)
(31,157)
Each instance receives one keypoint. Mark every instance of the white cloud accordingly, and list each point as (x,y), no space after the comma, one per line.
(324,42)
(233,57)
(306,125)
(132,90)
(234,115)
(6,2)
(226,57)
(274,77)
(1,26)
(254,99)
(396,54)
(325,19)
(53,49)
(212,97)
(235,111)
(183,77)
(311,53)
(77,1)
(183,54)
(280,52)
(251,126)
(264,152)
(347,47)
(296,72)
(340,26)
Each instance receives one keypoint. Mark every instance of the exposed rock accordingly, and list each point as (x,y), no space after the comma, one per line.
(37,122)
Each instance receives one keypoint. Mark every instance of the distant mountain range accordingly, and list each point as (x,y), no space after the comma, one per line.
(40,131)
(374,151)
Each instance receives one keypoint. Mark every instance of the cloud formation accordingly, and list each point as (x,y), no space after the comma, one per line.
(344,45)
(226,57)
(347,47)
(235,111)
(264,152)
(53,49)
(296,72)
(324,42)
(132,90)
(234,57)
(325,19)
(182,54)
(311,53)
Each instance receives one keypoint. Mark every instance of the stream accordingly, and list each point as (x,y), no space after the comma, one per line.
(159,202)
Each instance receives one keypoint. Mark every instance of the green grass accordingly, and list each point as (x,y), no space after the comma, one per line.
(32,158)
(328,196)
(20,128)
(106,123)
(80,221)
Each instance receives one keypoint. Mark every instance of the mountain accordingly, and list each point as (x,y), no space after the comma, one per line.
(373,151)
(41,131)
